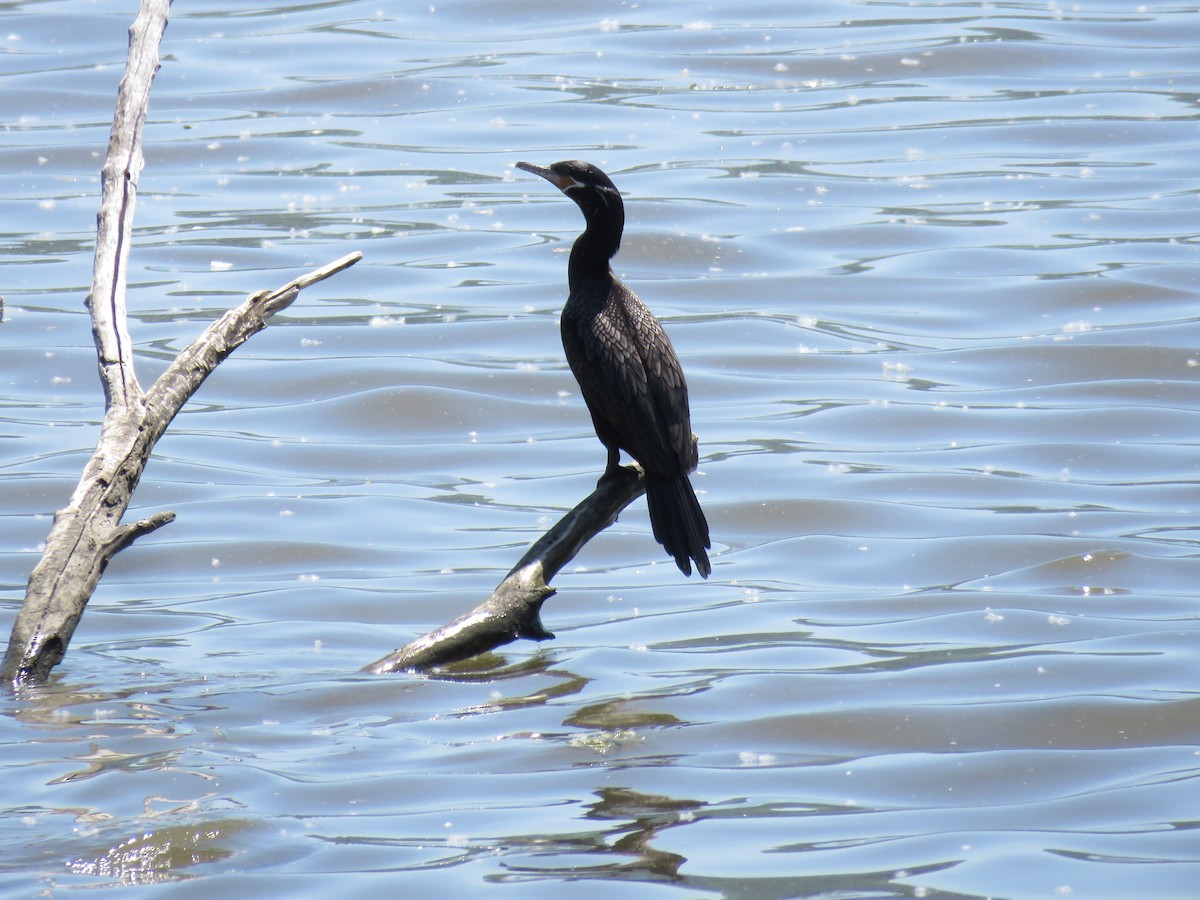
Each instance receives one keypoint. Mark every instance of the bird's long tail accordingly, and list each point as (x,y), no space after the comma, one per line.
(678,522)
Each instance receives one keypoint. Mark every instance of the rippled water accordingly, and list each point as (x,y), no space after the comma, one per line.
(931,269)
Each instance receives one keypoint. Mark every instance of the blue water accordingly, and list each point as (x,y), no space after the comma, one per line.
(932,272)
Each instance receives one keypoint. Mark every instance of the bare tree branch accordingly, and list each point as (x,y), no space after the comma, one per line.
(195,363)
(513,610)
(114,223)
(88,532)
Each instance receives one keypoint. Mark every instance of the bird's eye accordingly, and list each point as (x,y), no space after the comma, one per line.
(604,190)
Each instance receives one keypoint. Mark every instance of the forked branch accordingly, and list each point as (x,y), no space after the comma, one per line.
(513,610)
(87,533)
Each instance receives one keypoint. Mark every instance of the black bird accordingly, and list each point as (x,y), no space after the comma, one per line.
(627,369)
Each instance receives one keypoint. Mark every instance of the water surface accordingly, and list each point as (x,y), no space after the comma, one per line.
(931,270)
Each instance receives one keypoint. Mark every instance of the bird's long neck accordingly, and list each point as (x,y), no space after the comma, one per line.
(593,249)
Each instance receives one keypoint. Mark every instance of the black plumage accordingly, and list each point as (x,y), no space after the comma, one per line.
(627,369)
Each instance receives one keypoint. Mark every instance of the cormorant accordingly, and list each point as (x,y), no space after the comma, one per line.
(627,369)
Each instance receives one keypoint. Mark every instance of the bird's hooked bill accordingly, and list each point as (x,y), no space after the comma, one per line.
(562,182)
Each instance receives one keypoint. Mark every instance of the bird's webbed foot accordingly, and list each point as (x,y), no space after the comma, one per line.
(620,473)
(614,469)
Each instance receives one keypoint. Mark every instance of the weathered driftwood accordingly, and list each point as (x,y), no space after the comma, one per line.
(513,610)
(88,532)
(76,553)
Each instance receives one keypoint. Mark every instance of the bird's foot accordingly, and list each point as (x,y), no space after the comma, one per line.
(618,473)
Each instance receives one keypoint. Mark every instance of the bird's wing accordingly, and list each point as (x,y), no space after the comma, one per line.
(633,382)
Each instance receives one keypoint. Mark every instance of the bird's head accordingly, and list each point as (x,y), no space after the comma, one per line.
(590,188)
